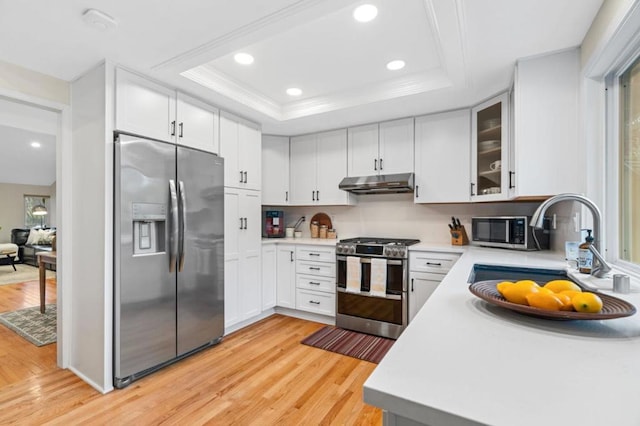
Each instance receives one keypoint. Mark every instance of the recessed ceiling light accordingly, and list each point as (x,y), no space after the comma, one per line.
(243,58)
(35,144)
(395,65)
(294,91)
(365,13)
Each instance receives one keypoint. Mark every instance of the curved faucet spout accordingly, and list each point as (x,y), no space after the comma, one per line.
(538,215)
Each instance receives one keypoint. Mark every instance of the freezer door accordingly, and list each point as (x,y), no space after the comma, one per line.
(201,254)
(145,286)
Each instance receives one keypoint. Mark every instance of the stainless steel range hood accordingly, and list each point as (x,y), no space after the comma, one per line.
(383,184)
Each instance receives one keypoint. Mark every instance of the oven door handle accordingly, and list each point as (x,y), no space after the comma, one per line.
(366,294)
(368,260)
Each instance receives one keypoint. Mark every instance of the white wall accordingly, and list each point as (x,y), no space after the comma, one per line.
(12,206)
(22,80)
(91,350)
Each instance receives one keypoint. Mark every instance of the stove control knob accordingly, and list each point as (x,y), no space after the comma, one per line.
(338,249)
(352,250)
(393,252)
(402,253)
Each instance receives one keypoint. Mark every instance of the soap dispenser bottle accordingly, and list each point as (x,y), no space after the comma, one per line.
(585,257)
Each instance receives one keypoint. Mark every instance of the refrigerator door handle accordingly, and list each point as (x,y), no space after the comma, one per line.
(173,229)
(183,224)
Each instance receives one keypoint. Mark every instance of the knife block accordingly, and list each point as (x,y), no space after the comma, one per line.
(459,237)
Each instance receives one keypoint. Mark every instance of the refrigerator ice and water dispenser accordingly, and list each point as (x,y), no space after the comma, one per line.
(149,222)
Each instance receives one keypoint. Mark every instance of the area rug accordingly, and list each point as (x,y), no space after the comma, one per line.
(23,274)
(357,345)
(37,328)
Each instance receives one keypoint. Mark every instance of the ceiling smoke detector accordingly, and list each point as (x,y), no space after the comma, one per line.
(99,20)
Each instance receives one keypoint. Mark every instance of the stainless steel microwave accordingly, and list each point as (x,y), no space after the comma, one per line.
(510,232)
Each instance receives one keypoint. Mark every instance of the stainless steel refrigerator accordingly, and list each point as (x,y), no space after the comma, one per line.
(168,252)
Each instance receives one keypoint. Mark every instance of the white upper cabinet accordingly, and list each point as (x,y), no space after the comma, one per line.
(240,146)
(381,148)
(396,146)
(197,124)
(148,109)
(490,150)
(318,164)
(363,150)
(144,107)
(545,119)
(275,170)
(442,152)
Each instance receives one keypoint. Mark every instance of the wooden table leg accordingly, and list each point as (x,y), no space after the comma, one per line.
(43,284)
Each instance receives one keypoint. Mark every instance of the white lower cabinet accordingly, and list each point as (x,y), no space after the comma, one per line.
(286,276)
(315,280)
(426,271)
(242,251)
(269,276)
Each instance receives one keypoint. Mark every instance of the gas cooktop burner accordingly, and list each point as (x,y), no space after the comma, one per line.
(381,241)
(375,247)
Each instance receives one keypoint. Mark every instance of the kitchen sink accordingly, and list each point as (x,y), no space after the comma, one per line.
(484,272)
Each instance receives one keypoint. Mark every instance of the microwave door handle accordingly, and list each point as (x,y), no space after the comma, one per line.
(506,232)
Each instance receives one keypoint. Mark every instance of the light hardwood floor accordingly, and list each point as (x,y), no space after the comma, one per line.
(260,375)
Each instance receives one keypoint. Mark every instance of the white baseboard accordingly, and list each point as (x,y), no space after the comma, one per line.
(91,382)
(324,319)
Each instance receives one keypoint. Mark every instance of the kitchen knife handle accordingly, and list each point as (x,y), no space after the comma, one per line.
(181,126)
(381,164)
(375,164)
(173,235)
(245,177)
(472,185)
(417,191)
(173,128)
(183,223)
(511,186)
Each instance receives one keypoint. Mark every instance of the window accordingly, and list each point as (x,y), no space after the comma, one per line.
(629,164)
(34,214)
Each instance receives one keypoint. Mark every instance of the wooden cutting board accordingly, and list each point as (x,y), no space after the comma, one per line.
(322,219)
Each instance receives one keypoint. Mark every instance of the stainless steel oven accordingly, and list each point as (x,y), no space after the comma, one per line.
(382,315)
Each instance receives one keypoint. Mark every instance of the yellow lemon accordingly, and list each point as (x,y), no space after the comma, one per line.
(566,300)
(543,300)
(561,285)
(517,293)
(501,286)
(587,302)
(570,293)
(545,290)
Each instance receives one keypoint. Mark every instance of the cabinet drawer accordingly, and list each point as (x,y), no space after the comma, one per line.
(311,282)
(432,261)
(319,254)
(316,268)
(315,301)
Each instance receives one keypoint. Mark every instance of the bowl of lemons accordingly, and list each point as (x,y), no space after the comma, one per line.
(555,299)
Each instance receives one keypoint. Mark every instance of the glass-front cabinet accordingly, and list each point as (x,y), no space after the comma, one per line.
(490,150)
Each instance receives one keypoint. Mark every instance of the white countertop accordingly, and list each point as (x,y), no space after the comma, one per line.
(305,241)
(462,361)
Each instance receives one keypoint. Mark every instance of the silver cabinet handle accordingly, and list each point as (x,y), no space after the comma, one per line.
(313,195)
(375,164)
(317,195)
(245,223)
(417,191)
(434,264)
(314,302)
(181,127)
(241,175)
(381,164)
(313,283)
(174,235)
(183,223)
(173,128)
(291,253)
(245,177)
(286,195)
(241,223)
(314,254)
(311,268)
(412,285)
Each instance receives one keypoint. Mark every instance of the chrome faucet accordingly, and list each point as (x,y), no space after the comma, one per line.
(600,267)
